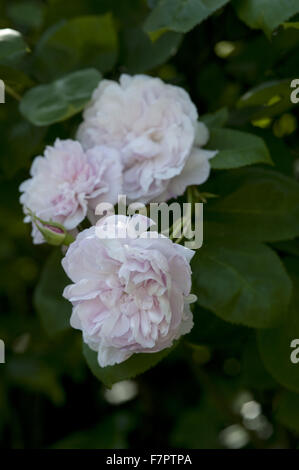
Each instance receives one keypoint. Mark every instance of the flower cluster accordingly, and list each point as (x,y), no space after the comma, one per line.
(141,138)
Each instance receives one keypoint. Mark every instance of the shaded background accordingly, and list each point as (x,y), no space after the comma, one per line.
(214,395)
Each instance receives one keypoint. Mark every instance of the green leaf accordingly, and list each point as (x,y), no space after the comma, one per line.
(265,14)
(254,204)
(135,365)
(268,99)
(237,149)
(244,283)
(54,311)
(86,41)
(287,410)
(217,119)
(12,45)
(141,54)
(28,13)
(275,343)
(59,100)
(181,15)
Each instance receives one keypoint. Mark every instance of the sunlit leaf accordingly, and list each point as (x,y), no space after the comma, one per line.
(268,99)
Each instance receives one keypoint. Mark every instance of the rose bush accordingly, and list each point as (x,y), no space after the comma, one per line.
(192,101)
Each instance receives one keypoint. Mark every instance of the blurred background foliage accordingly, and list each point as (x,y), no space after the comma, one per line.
(227,385)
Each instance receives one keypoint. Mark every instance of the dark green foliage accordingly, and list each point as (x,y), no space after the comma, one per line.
(237,59)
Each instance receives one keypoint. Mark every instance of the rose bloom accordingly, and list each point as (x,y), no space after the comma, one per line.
(130,294)
(154,126)
(67,183)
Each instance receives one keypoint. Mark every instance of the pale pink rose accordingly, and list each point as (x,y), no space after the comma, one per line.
(130,294)
(154,126)
(67,182)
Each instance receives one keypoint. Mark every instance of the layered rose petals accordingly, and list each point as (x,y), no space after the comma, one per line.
(130,294)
